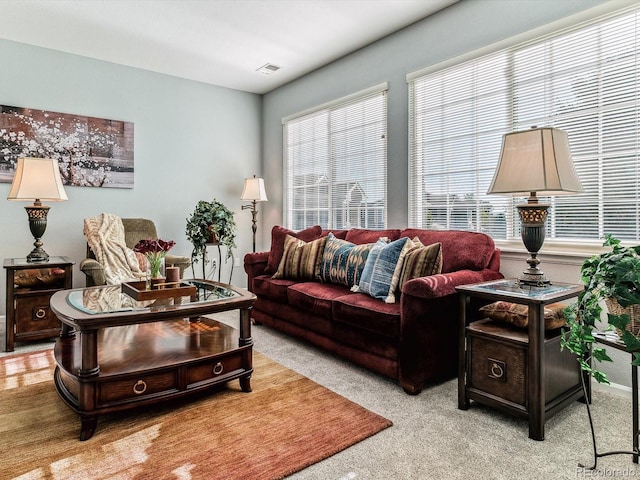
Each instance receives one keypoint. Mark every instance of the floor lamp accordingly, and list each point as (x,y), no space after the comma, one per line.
(37,179)
(535,162)
(255,192)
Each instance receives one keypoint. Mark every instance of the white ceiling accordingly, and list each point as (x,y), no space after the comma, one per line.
(222,42)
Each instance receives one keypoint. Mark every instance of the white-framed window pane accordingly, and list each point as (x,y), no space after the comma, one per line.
(584,80)
(335,165)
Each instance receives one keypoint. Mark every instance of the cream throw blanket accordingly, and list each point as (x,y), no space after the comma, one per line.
(105,236)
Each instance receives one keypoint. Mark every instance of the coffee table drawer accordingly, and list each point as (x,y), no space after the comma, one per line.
(213,369)
(140,386)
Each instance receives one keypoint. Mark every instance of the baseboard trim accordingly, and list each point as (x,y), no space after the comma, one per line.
(614,388)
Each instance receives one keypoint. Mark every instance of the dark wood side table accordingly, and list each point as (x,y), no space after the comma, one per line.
(531,372)
(28,316)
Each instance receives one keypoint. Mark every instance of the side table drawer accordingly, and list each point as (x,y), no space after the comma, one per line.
(499,369)
(209,370)
(141,386)
(36,315)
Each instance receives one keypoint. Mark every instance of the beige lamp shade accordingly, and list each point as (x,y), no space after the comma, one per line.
(254,190)
(37,179)
(536,160)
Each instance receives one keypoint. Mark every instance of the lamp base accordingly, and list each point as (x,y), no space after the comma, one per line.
(533,216)
(534,279)
(38,255)
(37,214)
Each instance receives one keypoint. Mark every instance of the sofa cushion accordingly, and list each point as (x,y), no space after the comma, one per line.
(342,261)
(278,236)
(362,311)
(381,273)
(300,259)
(421,261)
(461,250)
(274,289)
(361,235)
(315,297)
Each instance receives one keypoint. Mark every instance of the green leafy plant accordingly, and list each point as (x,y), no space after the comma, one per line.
(613,275)
(210,222)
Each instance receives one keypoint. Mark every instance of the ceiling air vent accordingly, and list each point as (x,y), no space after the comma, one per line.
(268,69)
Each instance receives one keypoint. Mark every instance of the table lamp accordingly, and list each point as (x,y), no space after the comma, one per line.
(37,179)
(255,192)
(535,162)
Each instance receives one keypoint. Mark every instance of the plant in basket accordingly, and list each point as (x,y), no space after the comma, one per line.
(155,250)
(612,278)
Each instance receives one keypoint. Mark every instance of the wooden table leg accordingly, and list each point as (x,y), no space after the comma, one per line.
(536,367)
(463,401)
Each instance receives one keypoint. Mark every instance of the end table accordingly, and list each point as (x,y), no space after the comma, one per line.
(521,372)
(28,316)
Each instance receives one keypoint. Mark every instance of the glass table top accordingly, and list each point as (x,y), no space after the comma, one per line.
(511,287)
(112,299)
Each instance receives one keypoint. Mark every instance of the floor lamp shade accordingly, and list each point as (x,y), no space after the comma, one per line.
(37,179)
(535,162)
(253,191)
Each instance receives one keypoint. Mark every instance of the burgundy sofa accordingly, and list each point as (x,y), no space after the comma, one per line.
(413,341)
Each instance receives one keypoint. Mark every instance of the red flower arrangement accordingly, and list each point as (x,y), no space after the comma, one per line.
(155,251)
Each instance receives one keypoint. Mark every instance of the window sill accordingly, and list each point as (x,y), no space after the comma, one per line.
(552,252)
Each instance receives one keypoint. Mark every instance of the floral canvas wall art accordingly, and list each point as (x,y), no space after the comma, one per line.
(91,152)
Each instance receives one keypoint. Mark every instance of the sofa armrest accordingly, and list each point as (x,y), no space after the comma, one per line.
(254,265)
(443,284)
(94,272)
(429,326)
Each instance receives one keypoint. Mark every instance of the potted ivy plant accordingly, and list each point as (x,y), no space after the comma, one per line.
(611,278)
(210,223)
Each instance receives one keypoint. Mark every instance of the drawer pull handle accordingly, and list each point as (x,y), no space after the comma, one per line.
(140,387)
(41,313)
(218,368)
(496,370)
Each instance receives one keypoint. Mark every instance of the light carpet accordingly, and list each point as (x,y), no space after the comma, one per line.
(287,423)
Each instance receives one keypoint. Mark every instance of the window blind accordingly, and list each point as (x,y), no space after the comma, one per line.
(335,165)
(584,80)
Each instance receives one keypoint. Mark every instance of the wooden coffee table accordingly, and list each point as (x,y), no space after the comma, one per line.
(116,353)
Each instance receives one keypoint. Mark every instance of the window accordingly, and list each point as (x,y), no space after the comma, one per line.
(335,164)
(584,80)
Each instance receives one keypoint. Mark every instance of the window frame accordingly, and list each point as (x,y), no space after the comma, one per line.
(336,138)
(567,248)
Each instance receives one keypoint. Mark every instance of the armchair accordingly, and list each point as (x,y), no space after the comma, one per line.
(135,229)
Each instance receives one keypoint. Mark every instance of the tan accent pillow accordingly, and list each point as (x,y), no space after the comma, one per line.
(421,261)
(301,260)
(38,277)
(518,314)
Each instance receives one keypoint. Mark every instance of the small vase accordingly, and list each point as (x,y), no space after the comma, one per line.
(160,272)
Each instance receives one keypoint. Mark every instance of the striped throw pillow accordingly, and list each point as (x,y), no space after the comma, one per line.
(421,261)
(300,260)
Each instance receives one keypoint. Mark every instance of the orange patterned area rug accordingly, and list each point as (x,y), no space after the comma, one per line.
(287,423)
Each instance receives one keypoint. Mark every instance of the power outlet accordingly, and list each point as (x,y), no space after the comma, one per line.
(236,262)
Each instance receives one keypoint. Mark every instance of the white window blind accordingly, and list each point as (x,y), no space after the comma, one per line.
(584,80)
(335,165)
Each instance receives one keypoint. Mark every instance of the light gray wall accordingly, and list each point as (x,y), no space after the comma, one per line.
(193,142)
(464,27)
